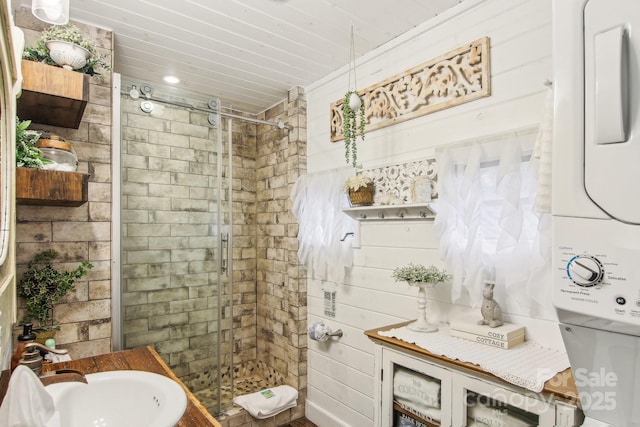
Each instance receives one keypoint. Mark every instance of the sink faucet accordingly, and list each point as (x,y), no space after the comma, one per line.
(28,354)
(62,376)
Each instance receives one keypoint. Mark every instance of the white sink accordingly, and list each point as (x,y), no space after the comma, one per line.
(119,399)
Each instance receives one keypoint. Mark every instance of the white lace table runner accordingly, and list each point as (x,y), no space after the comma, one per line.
(527,365)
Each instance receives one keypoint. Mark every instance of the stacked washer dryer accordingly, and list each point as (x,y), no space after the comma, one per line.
(596,202)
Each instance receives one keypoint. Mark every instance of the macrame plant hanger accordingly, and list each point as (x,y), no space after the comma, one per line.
(355,105)
(352,108)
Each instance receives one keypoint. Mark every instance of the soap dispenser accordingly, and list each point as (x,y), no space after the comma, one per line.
(31,355)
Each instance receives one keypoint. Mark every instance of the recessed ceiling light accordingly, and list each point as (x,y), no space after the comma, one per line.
(171,79)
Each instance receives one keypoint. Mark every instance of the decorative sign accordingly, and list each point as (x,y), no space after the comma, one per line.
(397,180)
(459,76)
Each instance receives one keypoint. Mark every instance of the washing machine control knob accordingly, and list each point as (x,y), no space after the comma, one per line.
(585,270)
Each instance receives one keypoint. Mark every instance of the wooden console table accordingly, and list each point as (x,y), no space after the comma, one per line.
(562,385)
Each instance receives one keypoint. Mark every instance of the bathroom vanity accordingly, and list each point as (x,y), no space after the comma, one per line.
(141,359)
(419,388)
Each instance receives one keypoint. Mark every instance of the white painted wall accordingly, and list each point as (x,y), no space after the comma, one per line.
(341,374)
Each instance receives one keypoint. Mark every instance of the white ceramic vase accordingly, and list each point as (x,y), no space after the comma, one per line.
(68,55)
(421,324)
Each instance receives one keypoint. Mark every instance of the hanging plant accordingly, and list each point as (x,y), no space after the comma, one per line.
(352,111)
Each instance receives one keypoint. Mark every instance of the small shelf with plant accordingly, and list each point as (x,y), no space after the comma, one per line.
(52,95)
(409,211)
(67,47)
(36,186)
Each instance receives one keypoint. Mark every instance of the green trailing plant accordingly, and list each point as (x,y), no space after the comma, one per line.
(42,286)
(67,33)
(27,154)
(351,127)
(420,273)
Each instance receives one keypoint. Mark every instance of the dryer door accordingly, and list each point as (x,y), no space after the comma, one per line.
(612,83)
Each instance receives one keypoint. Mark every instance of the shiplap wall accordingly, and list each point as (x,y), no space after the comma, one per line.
(342,373)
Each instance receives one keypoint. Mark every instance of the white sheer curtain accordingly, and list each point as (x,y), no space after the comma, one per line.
(318,200)
(488,227)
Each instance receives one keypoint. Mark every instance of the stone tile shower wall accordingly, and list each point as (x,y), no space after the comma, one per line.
(282,293)
(170,240)
(83,232)
(244,249)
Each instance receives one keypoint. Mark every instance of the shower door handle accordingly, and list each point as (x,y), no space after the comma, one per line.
(224,244)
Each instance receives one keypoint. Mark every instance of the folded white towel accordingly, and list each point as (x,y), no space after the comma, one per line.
(494,417)
(429,413)
(26,403)
(269,402)
(415,387)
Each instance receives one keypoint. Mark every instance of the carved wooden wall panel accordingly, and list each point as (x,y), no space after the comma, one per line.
(458,76)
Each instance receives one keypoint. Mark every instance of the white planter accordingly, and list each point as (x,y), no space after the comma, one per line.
(355,102)
(421,324)
(68,55)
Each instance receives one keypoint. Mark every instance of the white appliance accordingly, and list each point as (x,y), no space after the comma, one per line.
(596,202)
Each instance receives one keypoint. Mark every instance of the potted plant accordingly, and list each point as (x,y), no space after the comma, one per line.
(352,111)
(360,190)
(42,286)
(417,274)
(27,154)
(422,277)
(64,45)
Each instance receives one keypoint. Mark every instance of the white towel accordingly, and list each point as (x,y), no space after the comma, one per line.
(494,417)
(26,403)
(415,387)
(429,413)
(269,402)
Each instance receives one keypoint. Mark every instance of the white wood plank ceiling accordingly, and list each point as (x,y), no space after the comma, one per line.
(247,52)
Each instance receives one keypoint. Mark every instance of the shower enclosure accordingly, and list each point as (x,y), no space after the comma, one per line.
(175,218)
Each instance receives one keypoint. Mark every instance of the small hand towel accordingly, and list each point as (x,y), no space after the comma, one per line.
(26,403)
(269,402)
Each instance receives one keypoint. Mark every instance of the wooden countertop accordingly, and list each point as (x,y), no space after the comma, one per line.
(561,386)
(141,359)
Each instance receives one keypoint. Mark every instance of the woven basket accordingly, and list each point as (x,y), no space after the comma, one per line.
(363,196)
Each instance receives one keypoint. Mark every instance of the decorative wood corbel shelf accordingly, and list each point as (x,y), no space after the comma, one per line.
(51,188)
(52,95)
(391,212)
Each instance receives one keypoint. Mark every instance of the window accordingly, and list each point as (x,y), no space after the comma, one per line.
(488,227)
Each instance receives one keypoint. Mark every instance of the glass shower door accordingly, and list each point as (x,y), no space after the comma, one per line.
(175,175)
